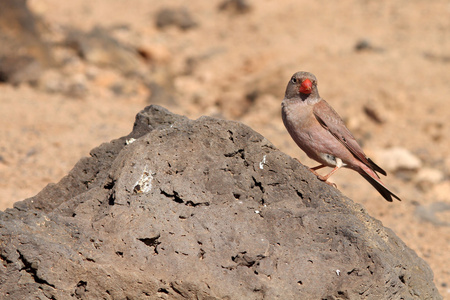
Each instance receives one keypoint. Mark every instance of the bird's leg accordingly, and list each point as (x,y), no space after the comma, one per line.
(317,168)
(325,178)
(313,170)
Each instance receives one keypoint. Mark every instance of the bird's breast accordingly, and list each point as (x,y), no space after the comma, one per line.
(297,116)
(308,134)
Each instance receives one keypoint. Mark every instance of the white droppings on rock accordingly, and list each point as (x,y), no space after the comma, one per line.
(263,162)
(130,141)
(144,184)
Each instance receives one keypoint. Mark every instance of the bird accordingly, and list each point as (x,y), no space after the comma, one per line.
(321,133)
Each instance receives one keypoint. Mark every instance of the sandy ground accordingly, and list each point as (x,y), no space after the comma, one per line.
(236,66)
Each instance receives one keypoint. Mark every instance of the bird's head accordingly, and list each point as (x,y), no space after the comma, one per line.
(303,85)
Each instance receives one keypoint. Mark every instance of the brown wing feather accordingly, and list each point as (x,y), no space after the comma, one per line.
(331,121)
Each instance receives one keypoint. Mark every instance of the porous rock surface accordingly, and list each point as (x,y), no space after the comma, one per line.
(200,209)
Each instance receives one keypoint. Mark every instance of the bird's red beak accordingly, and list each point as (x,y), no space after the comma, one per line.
(306,87)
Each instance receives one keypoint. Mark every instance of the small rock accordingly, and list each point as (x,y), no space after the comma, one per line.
(429,213)
(428,175)
(397,159)
(366,45)
(155,53)
(436,57)
(178,17)
(236,6)
(18,69)
(363,44)
(101,48)
(375,112)
(23,53)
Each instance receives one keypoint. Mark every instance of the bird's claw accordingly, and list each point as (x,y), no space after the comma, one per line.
(331,184)
(324,179)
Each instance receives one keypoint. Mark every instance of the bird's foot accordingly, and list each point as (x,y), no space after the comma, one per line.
(323,178)
(331,184)
(297,160)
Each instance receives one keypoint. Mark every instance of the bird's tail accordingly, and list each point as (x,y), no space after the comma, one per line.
(377,184)
(376,167)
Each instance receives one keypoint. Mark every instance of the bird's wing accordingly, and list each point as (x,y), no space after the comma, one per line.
(331,121)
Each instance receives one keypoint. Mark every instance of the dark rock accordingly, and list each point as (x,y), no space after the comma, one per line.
(99,47)
(436,57)
(236,6)
(204,209)
(363,45)
(374,114)
(16,69)
(366,45)
(23,54)
(178,17)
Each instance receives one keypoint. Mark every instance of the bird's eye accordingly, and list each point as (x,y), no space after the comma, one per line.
(294,80)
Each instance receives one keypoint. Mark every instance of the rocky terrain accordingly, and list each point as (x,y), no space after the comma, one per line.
(74,75)
(205,209)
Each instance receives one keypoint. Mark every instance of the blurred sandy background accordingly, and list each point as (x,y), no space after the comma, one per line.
(383,65)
